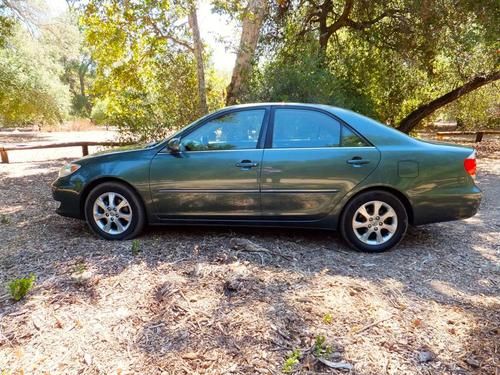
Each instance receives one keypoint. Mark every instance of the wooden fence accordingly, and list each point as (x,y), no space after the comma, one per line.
(84,145)
(479,134)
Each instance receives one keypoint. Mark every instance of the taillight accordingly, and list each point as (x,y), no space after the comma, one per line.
(470,164)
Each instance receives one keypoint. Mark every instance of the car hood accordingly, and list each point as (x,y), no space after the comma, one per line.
(117,152)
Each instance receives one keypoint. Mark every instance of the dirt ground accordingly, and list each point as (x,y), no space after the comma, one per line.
(21,138)
(240,301)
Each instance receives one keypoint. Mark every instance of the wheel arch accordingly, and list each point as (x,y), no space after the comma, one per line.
(90,186)
(398,194)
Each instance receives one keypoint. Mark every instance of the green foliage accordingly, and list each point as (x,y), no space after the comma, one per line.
(321,349)
(130,63)
(80,267)
(66,41)
(291,361)
(6,26)
(136,247)
(18,288)
(30,92)
(398,80)
(478,110)
(30,88)
(43,68)
(328,318)
(385,68)
(146,82)
(98,113)
(306,79)
(4,219)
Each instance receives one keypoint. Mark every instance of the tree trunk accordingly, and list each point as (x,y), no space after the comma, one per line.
(324,14)
(198,53)
(250,32)
(413,119)
(324,31)
(82,72)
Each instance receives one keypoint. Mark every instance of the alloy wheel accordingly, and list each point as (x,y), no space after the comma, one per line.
(112,213)
(375,222)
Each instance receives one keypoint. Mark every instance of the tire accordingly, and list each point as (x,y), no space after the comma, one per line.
(125,214)
(361,230)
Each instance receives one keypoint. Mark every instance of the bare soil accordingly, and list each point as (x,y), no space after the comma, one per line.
(239,301)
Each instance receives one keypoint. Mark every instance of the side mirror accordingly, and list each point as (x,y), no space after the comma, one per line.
(174,145)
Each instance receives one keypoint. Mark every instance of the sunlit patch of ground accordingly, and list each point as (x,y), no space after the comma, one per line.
(38,138)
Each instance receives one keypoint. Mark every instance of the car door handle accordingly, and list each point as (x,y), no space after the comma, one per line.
(357,161)
(246,164)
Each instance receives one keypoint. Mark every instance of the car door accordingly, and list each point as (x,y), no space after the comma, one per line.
(216,172)
(310,162)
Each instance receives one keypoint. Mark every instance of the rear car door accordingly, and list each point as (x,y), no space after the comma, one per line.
(216,173)
(310,162)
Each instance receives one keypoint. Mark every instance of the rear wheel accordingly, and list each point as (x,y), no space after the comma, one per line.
(114,212)
(374,221)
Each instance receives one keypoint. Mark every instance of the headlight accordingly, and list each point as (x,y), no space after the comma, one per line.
(68,169)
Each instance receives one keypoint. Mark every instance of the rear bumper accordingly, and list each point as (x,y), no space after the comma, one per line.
(69,200)
(446,207)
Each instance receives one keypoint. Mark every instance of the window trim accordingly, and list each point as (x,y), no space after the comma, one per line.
(270,132)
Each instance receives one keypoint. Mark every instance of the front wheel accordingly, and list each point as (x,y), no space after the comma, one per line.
(114,212)
(374,221)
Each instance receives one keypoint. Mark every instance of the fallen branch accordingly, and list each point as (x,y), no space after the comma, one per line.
(336,365)
(242,244)
(247,245)
(367,327)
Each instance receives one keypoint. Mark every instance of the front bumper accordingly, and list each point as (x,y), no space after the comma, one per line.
(69,199)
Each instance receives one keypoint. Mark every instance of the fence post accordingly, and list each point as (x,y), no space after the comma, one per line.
(4,155)
(85,150)
(479,136)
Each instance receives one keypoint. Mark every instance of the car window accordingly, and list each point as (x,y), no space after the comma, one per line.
(232,131)
(303,128)
(351,139)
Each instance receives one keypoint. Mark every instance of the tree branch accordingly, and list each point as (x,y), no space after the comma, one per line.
(413,119)
(344,17)
(172,38)
(366,24)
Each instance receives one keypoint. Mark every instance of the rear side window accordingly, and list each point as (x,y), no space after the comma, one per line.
(300,128)
(351,139)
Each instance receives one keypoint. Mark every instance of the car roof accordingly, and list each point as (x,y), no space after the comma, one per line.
(376,132)
(281,104)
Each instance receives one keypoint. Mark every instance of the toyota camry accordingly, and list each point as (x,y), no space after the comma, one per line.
(280,165)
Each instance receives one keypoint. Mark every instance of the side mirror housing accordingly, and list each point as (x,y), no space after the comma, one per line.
(174,145)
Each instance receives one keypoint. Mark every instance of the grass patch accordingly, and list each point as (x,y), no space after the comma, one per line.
(136,247)
(80,267)
(291,361)
(328,318)
(18,288)
(321,349)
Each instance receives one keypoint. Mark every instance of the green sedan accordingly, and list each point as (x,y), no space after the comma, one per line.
(280,165)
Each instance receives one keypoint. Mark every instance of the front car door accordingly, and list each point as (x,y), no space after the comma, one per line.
(310,162)
(216,173)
